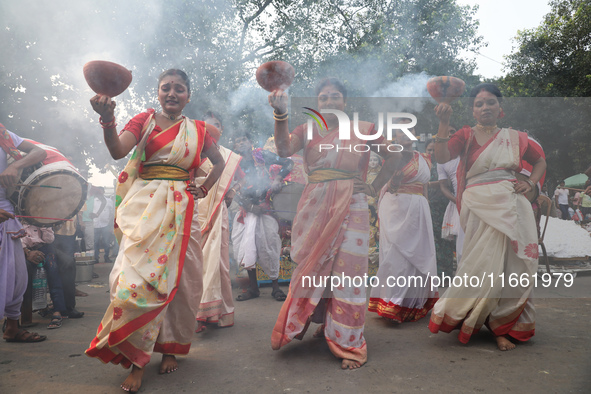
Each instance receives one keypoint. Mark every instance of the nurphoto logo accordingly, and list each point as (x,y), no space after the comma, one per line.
(345,129)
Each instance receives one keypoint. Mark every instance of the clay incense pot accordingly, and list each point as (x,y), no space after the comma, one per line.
(106,78)
(445,89)
(275,75)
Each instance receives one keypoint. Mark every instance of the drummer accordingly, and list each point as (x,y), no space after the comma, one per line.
(255,231)
(13,281)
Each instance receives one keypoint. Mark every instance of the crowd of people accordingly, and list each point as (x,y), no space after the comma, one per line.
(398,208)
(572,203)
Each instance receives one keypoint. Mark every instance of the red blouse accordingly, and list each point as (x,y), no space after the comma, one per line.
(457,142)
(135,125)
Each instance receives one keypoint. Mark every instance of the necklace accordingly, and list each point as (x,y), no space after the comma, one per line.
(171,117)
(487,129)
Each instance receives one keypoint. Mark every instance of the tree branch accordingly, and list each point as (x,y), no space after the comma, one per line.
(250,19)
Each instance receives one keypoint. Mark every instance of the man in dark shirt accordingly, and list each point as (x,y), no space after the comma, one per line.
(255,232)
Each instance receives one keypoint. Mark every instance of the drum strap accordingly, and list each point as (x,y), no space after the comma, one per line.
(163,171)
(7,144)
(329,174)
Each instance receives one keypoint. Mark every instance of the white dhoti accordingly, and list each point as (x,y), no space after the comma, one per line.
(257,241)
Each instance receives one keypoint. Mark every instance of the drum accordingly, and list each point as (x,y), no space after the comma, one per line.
(55,190)
(532,195)
(285,202)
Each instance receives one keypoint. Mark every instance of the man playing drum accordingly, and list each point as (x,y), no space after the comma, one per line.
(63,202)
(13,269)
(255,232)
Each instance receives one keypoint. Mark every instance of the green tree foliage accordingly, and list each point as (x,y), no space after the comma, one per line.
(367,43)
(553,60)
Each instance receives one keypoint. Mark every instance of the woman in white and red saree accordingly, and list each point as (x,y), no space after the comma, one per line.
(407,246)
(330,234)
(156,281)
(217,305)
(500,232)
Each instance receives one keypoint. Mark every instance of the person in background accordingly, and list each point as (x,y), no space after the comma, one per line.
(451,229)
(588,183)
(561,198)
(38,247)
(103,225)
(13,266)
(586,202)
(374,167)
(255,232)
(438,205)
(217,306)
(407,247)
(65,246)
(577,201)
(544,191)
(87,220)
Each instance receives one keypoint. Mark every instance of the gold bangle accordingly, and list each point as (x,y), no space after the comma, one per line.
(440,139)
(280,117)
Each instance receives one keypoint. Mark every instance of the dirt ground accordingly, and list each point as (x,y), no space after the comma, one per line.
(402,358)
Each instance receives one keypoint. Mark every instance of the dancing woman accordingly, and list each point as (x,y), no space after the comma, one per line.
(156,281)
(330,233)
(217,305)
(500,230)
(407,246)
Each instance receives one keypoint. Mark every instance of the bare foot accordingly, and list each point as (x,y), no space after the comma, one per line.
(350,364)
(503,343)
(134,380)
(168,364)
(319,332)
(200,327)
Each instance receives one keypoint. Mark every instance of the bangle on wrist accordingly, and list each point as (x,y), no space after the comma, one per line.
(204,190)
(108,125)
(531,184)
(440,139)
(280,117)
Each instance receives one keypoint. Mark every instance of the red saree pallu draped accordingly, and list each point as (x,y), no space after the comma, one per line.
(158,255)
(500,241)
(217,305)
(407,246)
(330,238)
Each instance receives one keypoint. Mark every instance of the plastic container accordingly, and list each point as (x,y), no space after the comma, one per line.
(40,288)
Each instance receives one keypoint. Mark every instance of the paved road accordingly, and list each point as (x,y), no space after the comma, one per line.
(402,359)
